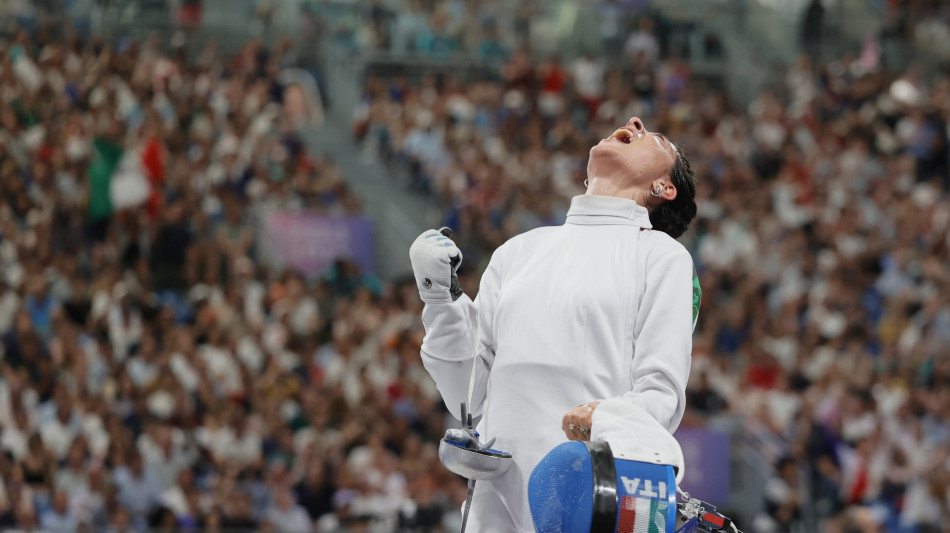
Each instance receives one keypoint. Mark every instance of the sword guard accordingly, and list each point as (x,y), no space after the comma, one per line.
(463,453)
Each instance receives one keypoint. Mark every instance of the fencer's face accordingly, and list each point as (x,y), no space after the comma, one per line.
(632,157)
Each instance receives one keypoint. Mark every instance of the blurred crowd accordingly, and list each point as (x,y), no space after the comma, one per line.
(430,29)
(477,32)
(154,375)
(158,374)
(822,245)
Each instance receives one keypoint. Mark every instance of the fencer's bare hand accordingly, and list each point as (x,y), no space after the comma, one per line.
(576,422)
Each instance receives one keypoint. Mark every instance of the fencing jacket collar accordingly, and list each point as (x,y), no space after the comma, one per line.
(599,210)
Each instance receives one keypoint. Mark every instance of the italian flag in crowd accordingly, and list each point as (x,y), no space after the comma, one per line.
(642,515)
(123,179)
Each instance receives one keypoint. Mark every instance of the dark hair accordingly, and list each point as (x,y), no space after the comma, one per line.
(673,217)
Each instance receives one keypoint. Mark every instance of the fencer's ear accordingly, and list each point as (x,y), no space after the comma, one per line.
(669,191)
(663,189)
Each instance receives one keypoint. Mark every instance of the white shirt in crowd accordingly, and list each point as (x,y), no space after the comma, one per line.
(15,440)
(166,466)
(588,77)
(58,437)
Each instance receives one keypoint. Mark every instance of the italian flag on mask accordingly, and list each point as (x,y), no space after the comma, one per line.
(642,515)
(124,179)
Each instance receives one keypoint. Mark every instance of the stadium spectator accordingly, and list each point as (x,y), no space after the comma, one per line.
(286,516)
(139,489)
(58,518)
(644,41)
(782,492)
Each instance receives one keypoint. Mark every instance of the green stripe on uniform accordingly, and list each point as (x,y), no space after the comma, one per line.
(697,296)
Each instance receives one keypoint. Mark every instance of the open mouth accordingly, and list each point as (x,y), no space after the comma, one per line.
(624,135)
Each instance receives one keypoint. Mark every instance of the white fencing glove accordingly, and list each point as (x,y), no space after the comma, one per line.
(435,259)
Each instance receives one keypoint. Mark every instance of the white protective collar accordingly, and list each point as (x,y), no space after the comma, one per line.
(592,209)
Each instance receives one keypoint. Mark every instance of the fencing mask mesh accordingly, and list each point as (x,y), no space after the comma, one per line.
(581,487)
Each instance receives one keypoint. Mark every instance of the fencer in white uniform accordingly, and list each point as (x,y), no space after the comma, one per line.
(600,307)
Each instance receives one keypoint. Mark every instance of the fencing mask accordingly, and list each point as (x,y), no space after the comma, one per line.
(582,487)
(623,480)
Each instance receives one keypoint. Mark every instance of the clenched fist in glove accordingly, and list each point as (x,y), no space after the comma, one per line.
(435,260)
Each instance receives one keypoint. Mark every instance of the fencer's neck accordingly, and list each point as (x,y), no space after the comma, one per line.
(604,187)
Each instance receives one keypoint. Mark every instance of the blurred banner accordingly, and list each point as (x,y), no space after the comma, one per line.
(706,453)
(309,243)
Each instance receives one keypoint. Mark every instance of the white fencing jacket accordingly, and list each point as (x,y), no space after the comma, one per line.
(600,307)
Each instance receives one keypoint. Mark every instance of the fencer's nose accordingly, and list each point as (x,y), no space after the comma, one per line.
(636,124)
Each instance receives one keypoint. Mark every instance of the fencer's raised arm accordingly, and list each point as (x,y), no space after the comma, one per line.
(663,330)
(451,321)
